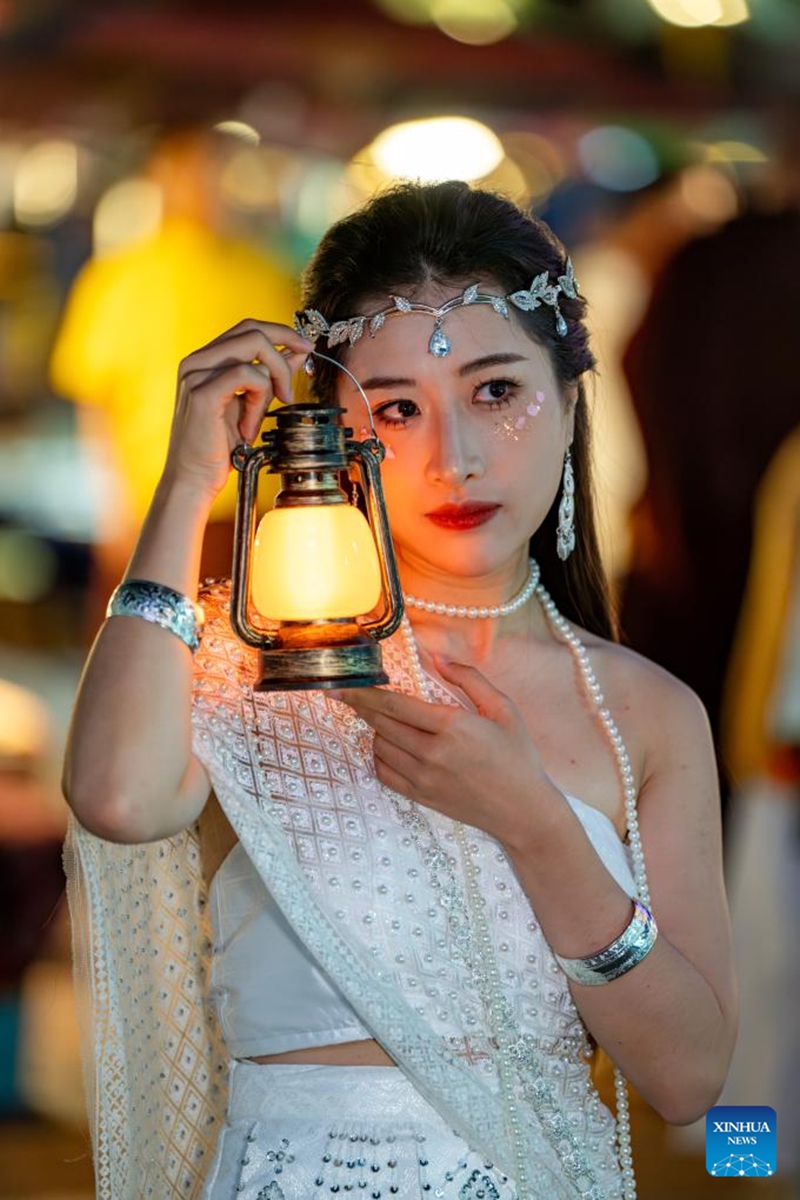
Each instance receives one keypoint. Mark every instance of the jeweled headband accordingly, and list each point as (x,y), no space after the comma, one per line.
(310,323)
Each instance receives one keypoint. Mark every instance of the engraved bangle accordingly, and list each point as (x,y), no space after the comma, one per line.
(161,605)
(620,956)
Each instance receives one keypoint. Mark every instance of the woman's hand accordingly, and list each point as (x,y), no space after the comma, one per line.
(480,768)
(224,390)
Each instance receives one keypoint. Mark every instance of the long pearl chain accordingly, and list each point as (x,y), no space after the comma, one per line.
(480,612)
(495,999)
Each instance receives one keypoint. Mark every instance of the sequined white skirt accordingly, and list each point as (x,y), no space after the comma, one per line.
(302,1132)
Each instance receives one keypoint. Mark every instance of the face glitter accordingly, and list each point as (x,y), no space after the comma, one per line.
(510,428)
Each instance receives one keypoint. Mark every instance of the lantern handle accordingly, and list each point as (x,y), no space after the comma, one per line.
(350,375)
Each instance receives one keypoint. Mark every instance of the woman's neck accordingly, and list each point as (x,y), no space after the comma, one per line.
(463,639)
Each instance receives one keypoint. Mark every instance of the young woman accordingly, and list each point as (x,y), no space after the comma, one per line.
(378,960)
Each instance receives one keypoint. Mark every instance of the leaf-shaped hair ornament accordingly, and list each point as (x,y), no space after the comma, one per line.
(313,325)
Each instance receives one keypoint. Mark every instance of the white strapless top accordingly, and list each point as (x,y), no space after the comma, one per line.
(270,994)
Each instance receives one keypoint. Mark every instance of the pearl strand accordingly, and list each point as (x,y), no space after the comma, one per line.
(479,612)
(594,692)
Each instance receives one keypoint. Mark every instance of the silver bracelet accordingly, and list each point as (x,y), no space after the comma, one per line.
(162,606)
(620,956)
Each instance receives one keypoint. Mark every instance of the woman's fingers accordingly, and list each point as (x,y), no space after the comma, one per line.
(224,391)
(368,702)
(253,342)
(393,758)
(412,739)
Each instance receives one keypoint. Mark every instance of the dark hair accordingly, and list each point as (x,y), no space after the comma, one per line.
(452,234)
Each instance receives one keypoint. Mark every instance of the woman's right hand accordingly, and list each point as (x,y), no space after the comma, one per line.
(223,393)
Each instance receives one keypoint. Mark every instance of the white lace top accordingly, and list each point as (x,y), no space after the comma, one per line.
(269,995)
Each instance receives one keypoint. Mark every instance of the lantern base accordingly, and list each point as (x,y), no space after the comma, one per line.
(357,664)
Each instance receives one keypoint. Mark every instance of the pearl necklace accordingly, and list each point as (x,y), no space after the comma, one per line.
(495,1001)
(473,612)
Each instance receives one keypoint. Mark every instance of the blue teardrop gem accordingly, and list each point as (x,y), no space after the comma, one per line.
(439,345)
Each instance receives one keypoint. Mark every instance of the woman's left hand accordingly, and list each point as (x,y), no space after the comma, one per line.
(480,768)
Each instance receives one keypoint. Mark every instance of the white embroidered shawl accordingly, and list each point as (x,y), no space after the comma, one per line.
(369,882)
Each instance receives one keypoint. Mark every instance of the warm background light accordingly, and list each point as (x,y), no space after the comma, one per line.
(314,562)
(696,13)
(46,182)
(475,22)
(128,211)
(437,148)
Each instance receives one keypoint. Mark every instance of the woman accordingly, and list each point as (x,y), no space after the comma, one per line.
(402,991)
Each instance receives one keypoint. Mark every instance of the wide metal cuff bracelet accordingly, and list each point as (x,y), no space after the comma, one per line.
(161,605)
(633,944)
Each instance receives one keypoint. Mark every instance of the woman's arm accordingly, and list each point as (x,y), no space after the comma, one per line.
(129,773)
(670,1023)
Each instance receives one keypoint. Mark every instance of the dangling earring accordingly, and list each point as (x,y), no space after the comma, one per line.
(565,534)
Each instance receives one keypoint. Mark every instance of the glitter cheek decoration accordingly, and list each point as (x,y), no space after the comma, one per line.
(510,428)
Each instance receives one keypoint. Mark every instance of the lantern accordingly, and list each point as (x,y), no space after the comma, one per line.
(315,585)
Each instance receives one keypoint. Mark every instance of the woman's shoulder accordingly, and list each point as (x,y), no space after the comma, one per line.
(649,692)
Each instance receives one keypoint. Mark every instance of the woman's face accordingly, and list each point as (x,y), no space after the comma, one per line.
(474,441)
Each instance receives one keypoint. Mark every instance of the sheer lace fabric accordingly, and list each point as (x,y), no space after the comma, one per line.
(369,883)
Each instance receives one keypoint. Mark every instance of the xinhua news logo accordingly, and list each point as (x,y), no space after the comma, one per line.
(741,1140)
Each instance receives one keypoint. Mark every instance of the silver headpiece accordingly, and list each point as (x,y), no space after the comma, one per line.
(311,324)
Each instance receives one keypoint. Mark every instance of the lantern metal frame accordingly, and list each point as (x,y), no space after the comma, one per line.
(310,450)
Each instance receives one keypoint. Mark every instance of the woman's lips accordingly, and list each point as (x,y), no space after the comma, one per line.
(462,516)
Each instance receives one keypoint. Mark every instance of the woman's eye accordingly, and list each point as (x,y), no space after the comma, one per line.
(495,393)
(396,412)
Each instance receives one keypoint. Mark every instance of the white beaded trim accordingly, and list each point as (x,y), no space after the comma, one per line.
(480,612)
(495,1001)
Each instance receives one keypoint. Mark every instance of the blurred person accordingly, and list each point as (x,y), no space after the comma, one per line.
(363,938)
(714,384)
(31,877)
(761,737)
(132,315)
(623,241)
(631,238)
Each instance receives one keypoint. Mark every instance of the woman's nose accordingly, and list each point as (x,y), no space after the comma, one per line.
(455,452)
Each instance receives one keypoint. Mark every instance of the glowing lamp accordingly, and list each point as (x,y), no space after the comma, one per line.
(315,586)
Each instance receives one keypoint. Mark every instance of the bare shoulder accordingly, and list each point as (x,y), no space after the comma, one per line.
(662,715)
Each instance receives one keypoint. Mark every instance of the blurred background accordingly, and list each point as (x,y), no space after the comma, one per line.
(165,170)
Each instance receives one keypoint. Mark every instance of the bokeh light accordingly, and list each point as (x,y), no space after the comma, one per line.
(240,130)
(710,193)
(127,212)
(475,22)
(46,182)
(693,14)
(437,148)
(617,158)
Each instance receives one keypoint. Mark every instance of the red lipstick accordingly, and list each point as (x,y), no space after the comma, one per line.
(462,516)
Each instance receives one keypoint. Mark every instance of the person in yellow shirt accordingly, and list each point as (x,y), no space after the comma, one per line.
(130,318)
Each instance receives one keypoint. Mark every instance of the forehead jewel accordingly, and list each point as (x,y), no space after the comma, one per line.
(312,324)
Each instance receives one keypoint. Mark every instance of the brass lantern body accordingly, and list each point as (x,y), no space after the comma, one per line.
(310,450)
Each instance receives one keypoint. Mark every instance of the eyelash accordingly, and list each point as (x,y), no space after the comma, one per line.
(493,404)
(498,401)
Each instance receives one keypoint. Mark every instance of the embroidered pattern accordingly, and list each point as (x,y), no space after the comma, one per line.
(294,775)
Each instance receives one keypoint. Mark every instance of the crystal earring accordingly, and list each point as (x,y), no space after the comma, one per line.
(565,534)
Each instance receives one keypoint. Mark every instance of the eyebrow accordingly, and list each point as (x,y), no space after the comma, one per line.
(476,364)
